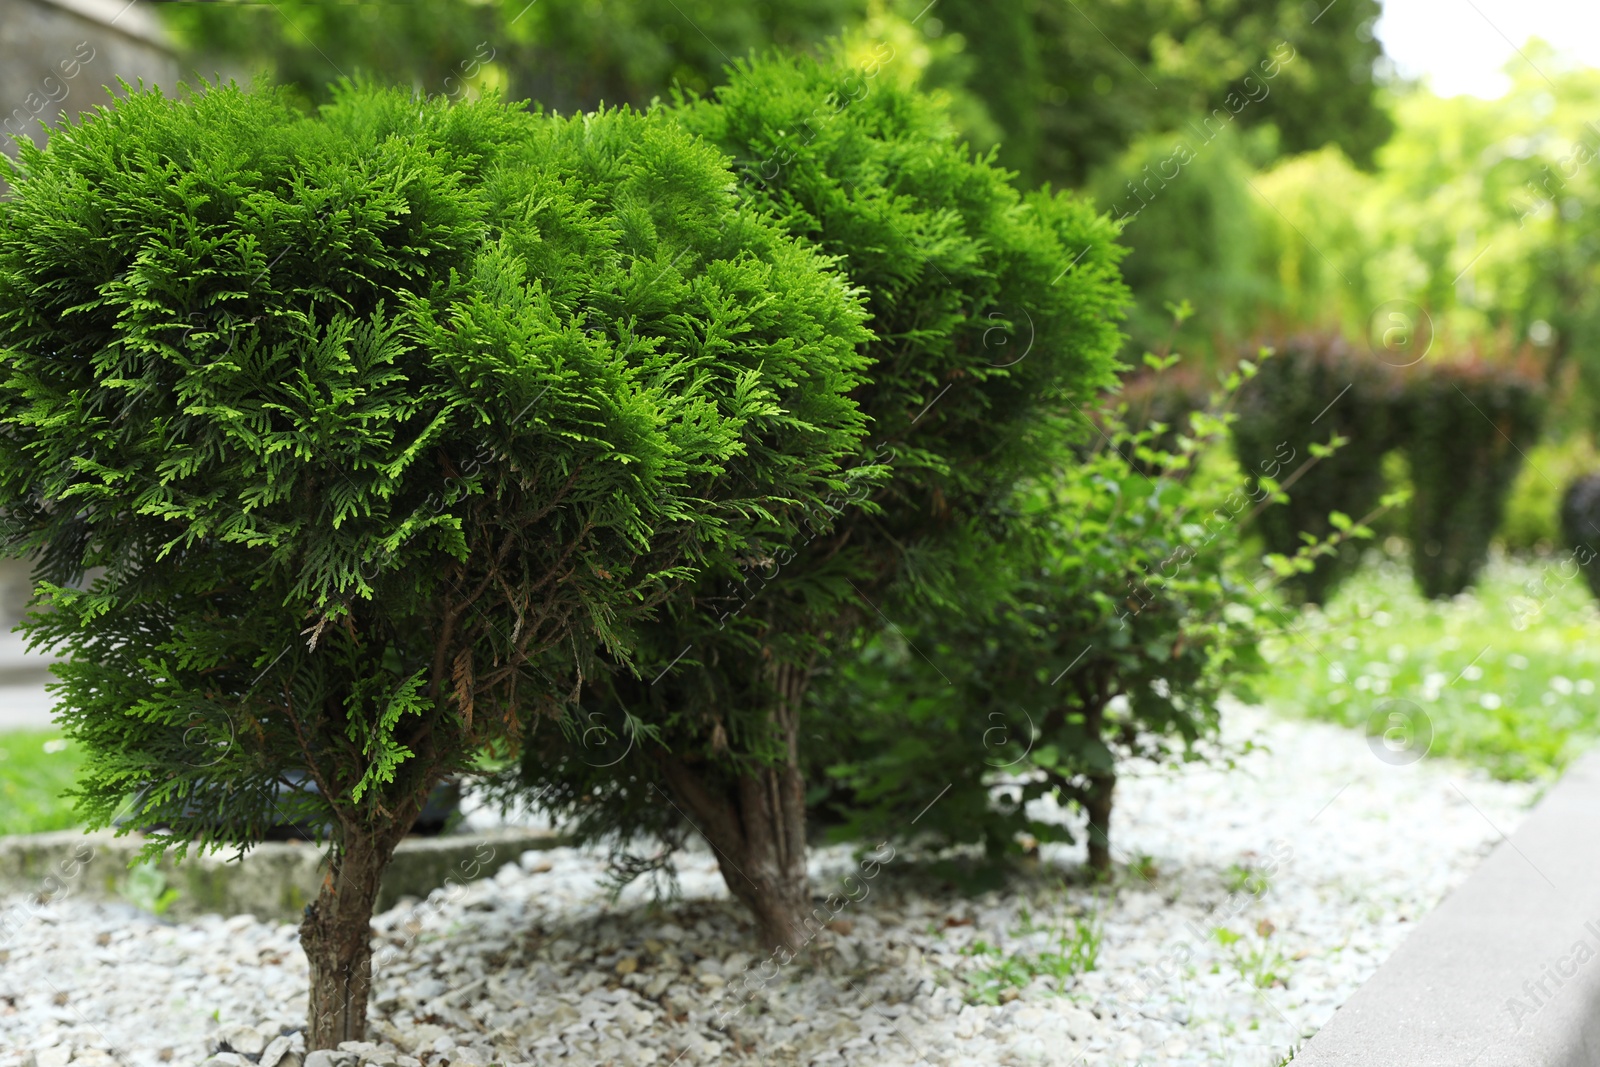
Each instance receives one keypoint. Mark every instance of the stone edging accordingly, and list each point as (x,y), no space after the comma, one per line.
(273,881)
(1504,973)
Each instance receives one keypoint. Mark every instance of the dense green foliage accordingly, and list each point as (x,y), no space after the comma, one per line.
(1102,622)
(1081,81)
(1086,95)
(1481,212)
(379,423)
(1196,238)
(567,56)
(1464,428)
(993,315)
(285,374)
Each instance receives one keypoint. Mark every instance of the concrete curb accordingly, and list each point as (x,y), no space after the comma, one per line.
(1504,973)
(273,881)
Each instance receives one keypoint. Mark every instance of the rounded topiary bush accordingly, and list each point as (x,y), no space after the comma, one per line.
(1465,428)
(370,428)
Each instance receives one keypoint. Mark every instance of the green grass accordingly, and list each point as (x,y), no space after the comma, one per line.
(1245,879)
(1072,952)
(1257,960)
(36,766)
(1504,675)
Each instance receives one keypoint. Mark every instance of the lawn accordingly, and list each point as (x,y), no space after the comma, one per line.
(36,766)
(1504,674)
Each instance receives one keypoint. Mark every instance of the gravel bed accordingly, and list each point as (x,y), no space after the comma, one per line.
(1312,856)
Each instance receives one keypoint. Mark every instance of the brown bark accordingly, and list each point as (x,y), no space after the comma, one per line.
(1099,790)
(1097,805)
(336,935)
(756,825)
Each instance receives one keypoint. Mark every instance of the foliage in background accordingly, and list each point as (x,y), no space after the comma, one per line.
(566,56)
(1316,390)
(1083,80)
(379,425)
(1464,426)
(37,768)
(994,316)
(1533,509)
(1097,618)
(1195,234)
(1060,88)
(1162,403)
(1483,213)
(1503,676)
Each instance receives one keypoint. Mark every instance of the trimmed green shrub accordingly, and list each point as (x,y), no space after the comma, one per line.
(1318,389)
(373,430)
(994,322)
(1464,426)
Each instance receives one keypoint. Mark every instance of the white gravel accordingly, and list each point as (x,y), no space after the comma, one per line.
(539,965)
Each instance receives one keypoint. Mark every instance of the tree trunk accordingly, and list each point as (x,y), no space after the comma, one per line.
(1097,805)
(336,935)
(756,825)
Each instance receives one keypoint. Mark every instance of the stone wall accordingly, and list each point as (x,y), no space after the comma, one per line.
(57,57)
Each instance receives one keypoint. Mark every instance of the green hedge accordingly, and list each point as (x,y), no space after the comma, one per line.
(1314,389)
(1464,427)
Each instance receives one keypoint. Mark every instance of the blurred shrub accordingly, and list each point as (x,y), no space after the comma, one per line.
(1195,232)
(1580,525)
(1162,402)
(1533,510)
(567,56)
(1464,426)
(1316,390)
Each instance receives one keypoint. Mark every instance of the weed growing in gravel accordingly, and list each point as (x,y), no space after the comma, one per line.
(1504,674)
(1243,878)
(1259,963)
(147,888)
(1074,952)
(36,767)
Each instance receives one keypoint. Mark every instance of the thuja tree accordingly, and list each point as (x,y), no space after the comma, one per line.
(341,441)
(994,318)
(1098,619)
